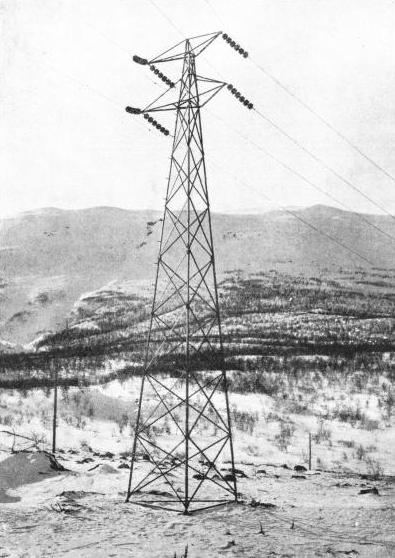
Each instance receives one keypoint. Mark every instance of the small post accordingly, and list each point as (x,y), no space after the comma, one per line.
(309,451)
(55,408)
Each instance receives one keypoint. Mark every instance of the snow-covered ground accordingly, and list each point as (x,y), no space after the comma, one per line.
(318,513)
(83,514)
(265,429)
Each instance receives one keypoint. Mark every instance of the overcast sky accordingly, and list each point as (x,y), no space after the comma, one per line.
(66,75)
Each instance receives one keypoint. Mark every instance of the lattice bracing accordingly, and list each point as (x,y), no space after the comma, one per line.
(183,426)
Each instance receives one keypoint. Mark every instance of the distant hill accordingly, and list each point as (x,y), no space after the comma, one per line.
(49,257)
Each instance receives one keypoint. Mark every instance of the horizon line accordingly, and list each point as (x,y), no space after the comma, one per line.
(246,211)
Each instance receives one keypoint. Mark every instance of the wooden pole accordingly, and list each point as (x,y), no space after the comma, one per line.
(55,408)
(309,451)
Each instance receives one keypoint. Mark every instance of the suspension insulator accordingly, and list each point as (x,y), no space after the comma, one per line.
(161,76)
(235,45)
(149,119)
(243,100)
(139,60)
(133,110)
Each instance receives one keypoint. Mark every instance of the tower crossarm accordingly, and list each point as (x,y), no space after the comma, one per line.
(204,90)
(183,422)
(198,44)
(203,98)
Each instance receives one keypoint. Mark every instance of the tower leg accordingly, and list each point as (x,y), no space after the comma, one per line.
(187,430)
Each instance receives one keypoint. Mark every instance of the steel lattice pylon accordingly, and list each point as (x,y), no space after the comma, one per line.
(183,426)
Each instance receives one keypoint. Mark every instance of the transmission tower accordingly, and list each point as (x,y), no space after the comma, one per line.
(183,438)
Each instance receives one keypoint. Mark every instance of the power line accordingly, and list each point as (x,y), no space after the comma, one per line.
(308,107)
(167,18)
(333,239)
(176,28)
(299,218)
(85,85)
(284,165)
(322,163)
(304,179)
(111,41)
(214,12)
(322,119)
(317,159)
(291,138)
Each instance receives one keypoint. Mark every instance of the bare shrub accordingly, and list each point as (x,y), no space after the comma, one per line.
(361,452)
(284,437)
(347,443)
(323,434)
(7,420)
(374,467)
(244,420)
(349,414)
(85,446)
(122,422)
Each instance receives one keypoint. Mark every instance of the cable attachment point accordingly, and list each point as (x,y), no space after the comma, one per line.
(161,76)
(156,124)
(243,100)
(234,45)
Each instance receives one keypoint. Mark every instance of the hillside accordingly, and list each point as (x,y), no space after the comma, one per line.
(50,257)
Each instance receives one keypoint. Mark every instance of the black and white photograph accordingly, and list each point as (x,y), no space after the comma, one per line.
(197,278)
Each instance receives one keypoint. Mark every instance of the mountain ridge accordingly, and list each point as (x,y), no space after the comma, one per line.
(50,256)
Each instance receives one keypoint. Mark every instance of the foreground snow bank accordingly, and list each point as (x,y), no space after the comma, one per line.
(25,468)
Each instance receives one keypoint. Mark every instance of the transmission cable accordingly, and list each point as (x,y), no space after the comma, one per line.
(83,85)
(313,227)
(167,18)
(305,179)
(296,216)
(284,165)
(308,107)
(291,138)
(317,159)
(321,162)
(323,120)
(171,22)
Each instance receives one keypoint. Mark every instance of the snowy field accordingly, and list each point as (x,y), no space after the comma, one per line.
(282,512)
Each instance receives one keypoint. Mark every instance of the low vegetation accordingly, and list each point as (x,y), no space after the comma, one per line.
(321,348)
